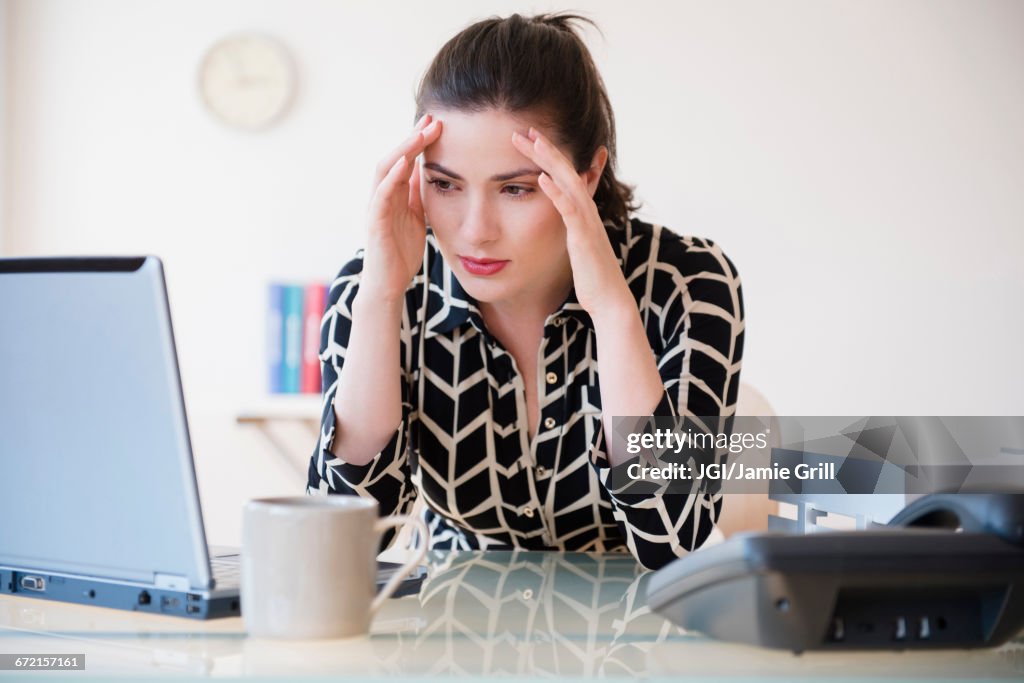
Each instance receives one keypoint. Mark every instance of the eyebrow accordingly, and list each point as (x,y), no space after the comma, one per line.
(500,177)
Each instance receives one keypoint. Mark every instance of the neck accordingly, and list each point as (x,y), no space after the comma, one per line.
(529,309)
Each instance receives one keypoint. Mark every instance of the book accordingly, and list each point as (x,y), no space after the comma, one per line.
(275,325)
(313,312)
(291,339)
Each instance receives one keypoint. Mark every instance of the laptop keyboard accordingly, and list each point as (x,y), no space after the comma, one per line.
(226,571)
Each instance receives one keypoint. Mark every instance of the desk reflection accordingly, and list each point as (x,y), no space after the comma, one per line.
(478,614)
(538,613)
(499,613)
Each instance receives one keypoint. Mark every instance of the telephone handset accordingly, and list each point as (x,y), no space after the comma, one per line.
(1000,514)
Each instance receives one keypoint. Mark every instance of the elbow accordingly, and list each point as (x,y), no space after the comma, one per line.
(353,456)
(653,556)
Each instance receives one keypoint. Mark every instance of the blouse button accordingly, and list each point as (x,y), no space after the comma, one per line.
(528,512)
(549,422)
(542,471)
(558,322)
(551,378)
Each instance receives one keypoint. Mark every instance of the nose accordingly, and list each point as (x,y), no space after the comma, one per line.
(480,224)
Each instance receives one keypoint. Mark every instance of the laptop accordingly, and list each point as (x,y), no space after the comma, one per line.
(98,497)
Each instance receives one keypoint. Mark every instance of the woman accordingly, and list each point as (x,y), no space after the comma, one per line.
(525,309)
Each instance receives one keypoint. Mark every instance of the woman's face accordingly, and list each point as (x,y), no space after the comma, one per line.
(483,202)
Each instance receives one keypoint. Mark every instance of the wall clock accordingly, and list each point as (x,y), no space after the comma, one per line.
(247,80)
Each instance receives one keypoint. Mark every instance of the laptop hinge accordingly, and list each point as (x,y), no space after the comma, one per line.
(170,582)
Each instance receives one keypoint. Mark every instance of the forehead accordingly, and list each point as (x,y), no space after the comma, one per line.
(479,142)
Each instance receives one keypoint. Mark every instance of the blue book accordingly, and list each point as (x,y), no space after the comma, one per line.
(275,338)
(291,341)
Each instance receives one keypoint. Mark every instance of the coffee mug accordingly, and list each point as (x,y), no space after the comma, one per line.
(309,565)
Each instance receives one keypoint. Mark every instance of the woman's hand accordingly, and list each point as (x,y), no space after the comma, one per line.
(397,226)
(597,277)
(630,382)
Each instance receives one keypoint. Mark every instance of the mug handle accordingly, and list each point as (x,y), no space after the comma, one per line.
(392,585)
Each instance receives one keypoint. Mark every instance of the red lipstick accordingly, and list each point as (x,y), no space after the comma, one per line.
(482,266)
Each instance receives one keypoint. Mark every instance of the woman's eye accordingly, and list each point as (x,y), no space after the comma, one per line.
(442,186)
(517,191)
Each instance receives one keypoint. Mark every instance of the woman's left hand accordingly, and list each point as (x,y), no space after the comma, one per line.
(597,277)
(630,381)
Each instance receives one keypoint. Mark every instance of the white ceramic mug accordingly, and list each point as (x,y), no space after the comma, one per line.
(309,565)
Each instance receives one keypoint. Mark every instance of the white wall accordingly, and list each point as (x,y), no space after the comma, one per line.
(861,162)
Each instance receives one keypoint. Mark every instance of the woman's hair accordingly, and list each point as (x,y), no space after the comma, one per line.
(539,65)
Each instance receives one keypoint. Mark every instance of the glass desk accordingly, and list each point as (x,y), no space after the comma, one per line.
(510,614)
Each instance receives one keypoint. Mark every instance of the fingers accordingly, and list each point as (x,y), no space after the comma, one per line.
(389,185)
(430,135)
(562,201)
(426,132)
(402,150)
(542,152)
(415,201)
(559,181)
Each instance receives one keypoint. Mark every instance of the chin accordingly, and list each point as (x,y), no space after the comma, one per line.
(484,292)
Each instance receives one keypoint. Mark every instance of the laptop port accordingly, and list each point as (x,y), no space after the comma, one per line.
(33,583)
(838,629)
(900,629)
(144,598)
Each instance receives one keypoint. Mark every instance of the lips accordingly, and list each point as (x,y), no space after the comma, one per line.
(481,266)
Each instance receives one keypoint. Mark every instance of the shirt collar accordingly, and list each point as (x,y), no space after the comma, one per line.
(449,305)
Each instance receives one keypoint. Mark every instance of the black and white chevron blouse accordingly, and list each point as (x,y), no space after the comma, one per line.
(463,443)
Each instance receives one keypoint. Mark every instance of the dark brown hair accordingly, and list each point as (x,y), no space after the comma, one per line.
(538,64)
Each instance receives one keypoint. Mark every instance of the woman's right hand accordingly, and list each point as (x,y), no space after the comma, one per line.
(397,226)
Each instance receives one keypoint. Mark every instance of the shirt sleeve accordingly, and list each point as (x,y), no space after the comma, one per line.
(385,478)
(698,344)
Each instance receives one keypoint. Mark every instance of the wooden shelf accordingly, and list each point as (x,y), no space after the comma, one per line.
(283,407)
(284,410)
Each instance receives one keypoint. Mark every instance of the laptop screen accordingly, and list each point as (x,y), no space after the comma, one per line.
(98,474)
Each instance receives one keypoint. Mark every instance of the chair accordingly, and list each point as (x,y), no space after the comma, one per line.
(750,511)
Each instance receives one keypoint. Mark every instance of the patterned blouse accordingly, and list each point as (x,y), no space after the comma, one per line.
(463,443)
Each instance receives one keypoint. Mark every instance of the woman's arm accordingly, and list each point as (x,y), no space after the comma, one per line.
(368,401)
(699,333)
(367,404)
(383,471)
(630,382)
(657,528)
(366,345)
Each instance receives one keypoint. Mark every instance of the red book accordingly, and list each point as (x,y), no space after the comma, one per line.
(312,312)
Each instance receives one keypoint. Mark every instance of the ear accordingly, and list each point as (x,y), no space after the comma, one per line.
(592,175)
